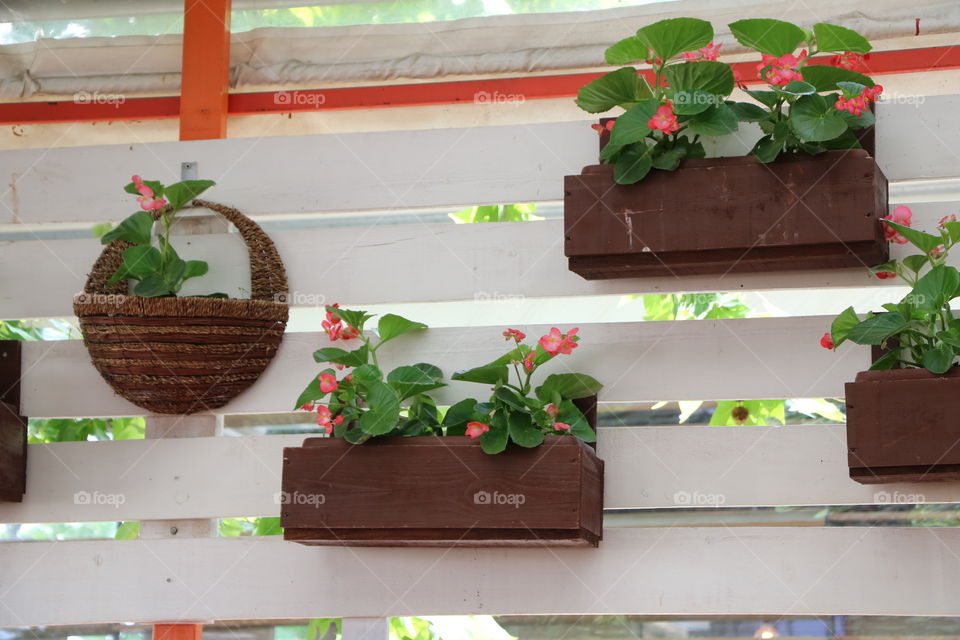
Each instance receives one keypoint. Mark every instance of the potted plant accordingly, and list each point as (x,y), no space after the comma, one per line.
(902,414)
(807,197)
(543,486)
(169,353)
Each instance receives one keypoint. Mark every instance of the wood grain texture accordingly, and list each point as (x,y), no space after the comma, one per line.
(13,426)
(442,492)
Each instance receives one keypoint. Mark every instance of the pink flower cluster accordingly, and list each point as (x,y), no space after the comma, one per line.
(664,119)
(783,70)
(709,52)
(336,329)
(859,104)
(602,128)
(556,342)
(324,418)
(901,215)
(146,199)
(847,60)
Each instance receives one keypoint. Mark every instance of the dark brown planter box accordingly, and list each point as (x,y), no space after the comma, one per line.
(728,215)
(442,491)
(13,427)
(903,425)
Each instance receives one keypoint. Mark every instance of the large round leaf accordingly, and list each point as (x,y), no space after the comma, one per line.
(627,51)
(773,37)
(633,165)
(825,78)
(813,120)
(831,37)
(715,121)
(621,87)
(675,35)
(706,75)
(633,125)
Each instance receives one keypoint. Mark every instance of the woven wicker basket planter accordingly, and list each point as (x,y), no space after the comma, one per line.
(191,354)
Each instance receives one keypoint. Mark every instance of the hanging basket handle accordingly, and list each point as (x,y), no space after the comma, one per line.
(268,278)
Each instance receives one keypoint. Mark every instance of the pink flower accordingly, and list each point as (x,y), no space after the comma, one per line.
(528,363)
(826,341)
(552,410)
(783,70)
(901,215)
(847,60)
(664,120)
(858,104)
(515,335)
(945,219)
(476,429)
(601,128)
(323,418)
(555,342)
(561,426)
(738,79)
(568,344)
(883,275)
(338,420)
(137,180)
(328,382)
(308,406)
(936,252)
(335,328)
(148,203)
(709,52)
(144,190)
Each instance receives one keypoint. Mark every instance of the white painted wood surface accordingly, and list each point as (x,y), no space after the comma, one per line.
(401,263)
(385,170)
(646,468)
(636,361)
(690,571)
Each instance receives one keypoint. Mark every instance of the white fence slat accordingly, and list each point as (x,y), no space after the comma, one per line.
(646,468)
(402,263)
(688,571)
(636,361)
(384,170)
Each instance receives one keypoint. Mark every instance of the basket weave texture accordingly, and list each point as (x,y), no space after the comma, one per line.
(185,355)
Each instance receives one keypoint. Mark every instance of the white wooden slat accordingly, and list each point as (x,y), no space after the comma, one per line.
(384,170)
(741,571)
(646,468)
(402,263)
(645,361)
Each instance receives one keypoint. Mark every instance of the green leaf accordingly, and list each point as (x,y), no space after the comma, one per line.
(510,398)
(311,393)
(140,261)
(522,431)
(938,359)
(354,319)
(767,149)
(666,160)
(953,230)
(391,326)
(715,121)
(383,411)
(99,229)
(814,120)
(692,101)
(620,87)
(181,193)
(673,36)
(773,37)
(633,165)
(887,361)
(127,531)
(842,324)
(799,88)
(579,427)
(195,268)
(487,374)
(411,380)
(460,414)
(876,329)
(152,286)
(155,185)
(632,125)
(831,37)
(708,76)
(825,77)
(355,358)
(136,229)
(367,374)
(935,288)
(173,273)
(495,440)
(768,98)
(915,262)
(627,51)
(920,239)
(748,112)
(267,527)
(569,385)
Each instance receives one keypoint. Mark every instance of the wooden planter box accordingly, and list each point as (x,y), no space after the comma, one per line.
(903,425)
(442,491)
(13,427)
(728,215)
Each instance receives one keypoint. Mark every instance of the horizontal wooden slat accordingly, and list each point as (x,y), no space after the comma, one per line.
(742,571)
(644,361)
(646,468)
(384,170)
(403,263)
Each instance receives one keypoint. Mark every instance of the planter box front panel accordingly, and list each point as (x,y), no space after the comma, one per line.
(728,215)
(903,425)
(441,491)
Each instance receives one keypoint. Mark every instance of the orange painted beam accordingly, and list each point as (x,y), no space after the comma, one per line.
(205,72)
(177,631)
(427,93)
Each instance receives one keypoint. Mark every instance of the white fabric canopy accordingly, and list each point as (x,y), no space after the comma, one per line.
(335,56)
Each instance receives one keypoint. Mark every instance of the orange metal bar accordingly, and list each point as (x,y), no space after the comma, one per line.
(205,76)
(177,631)
(428,93)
